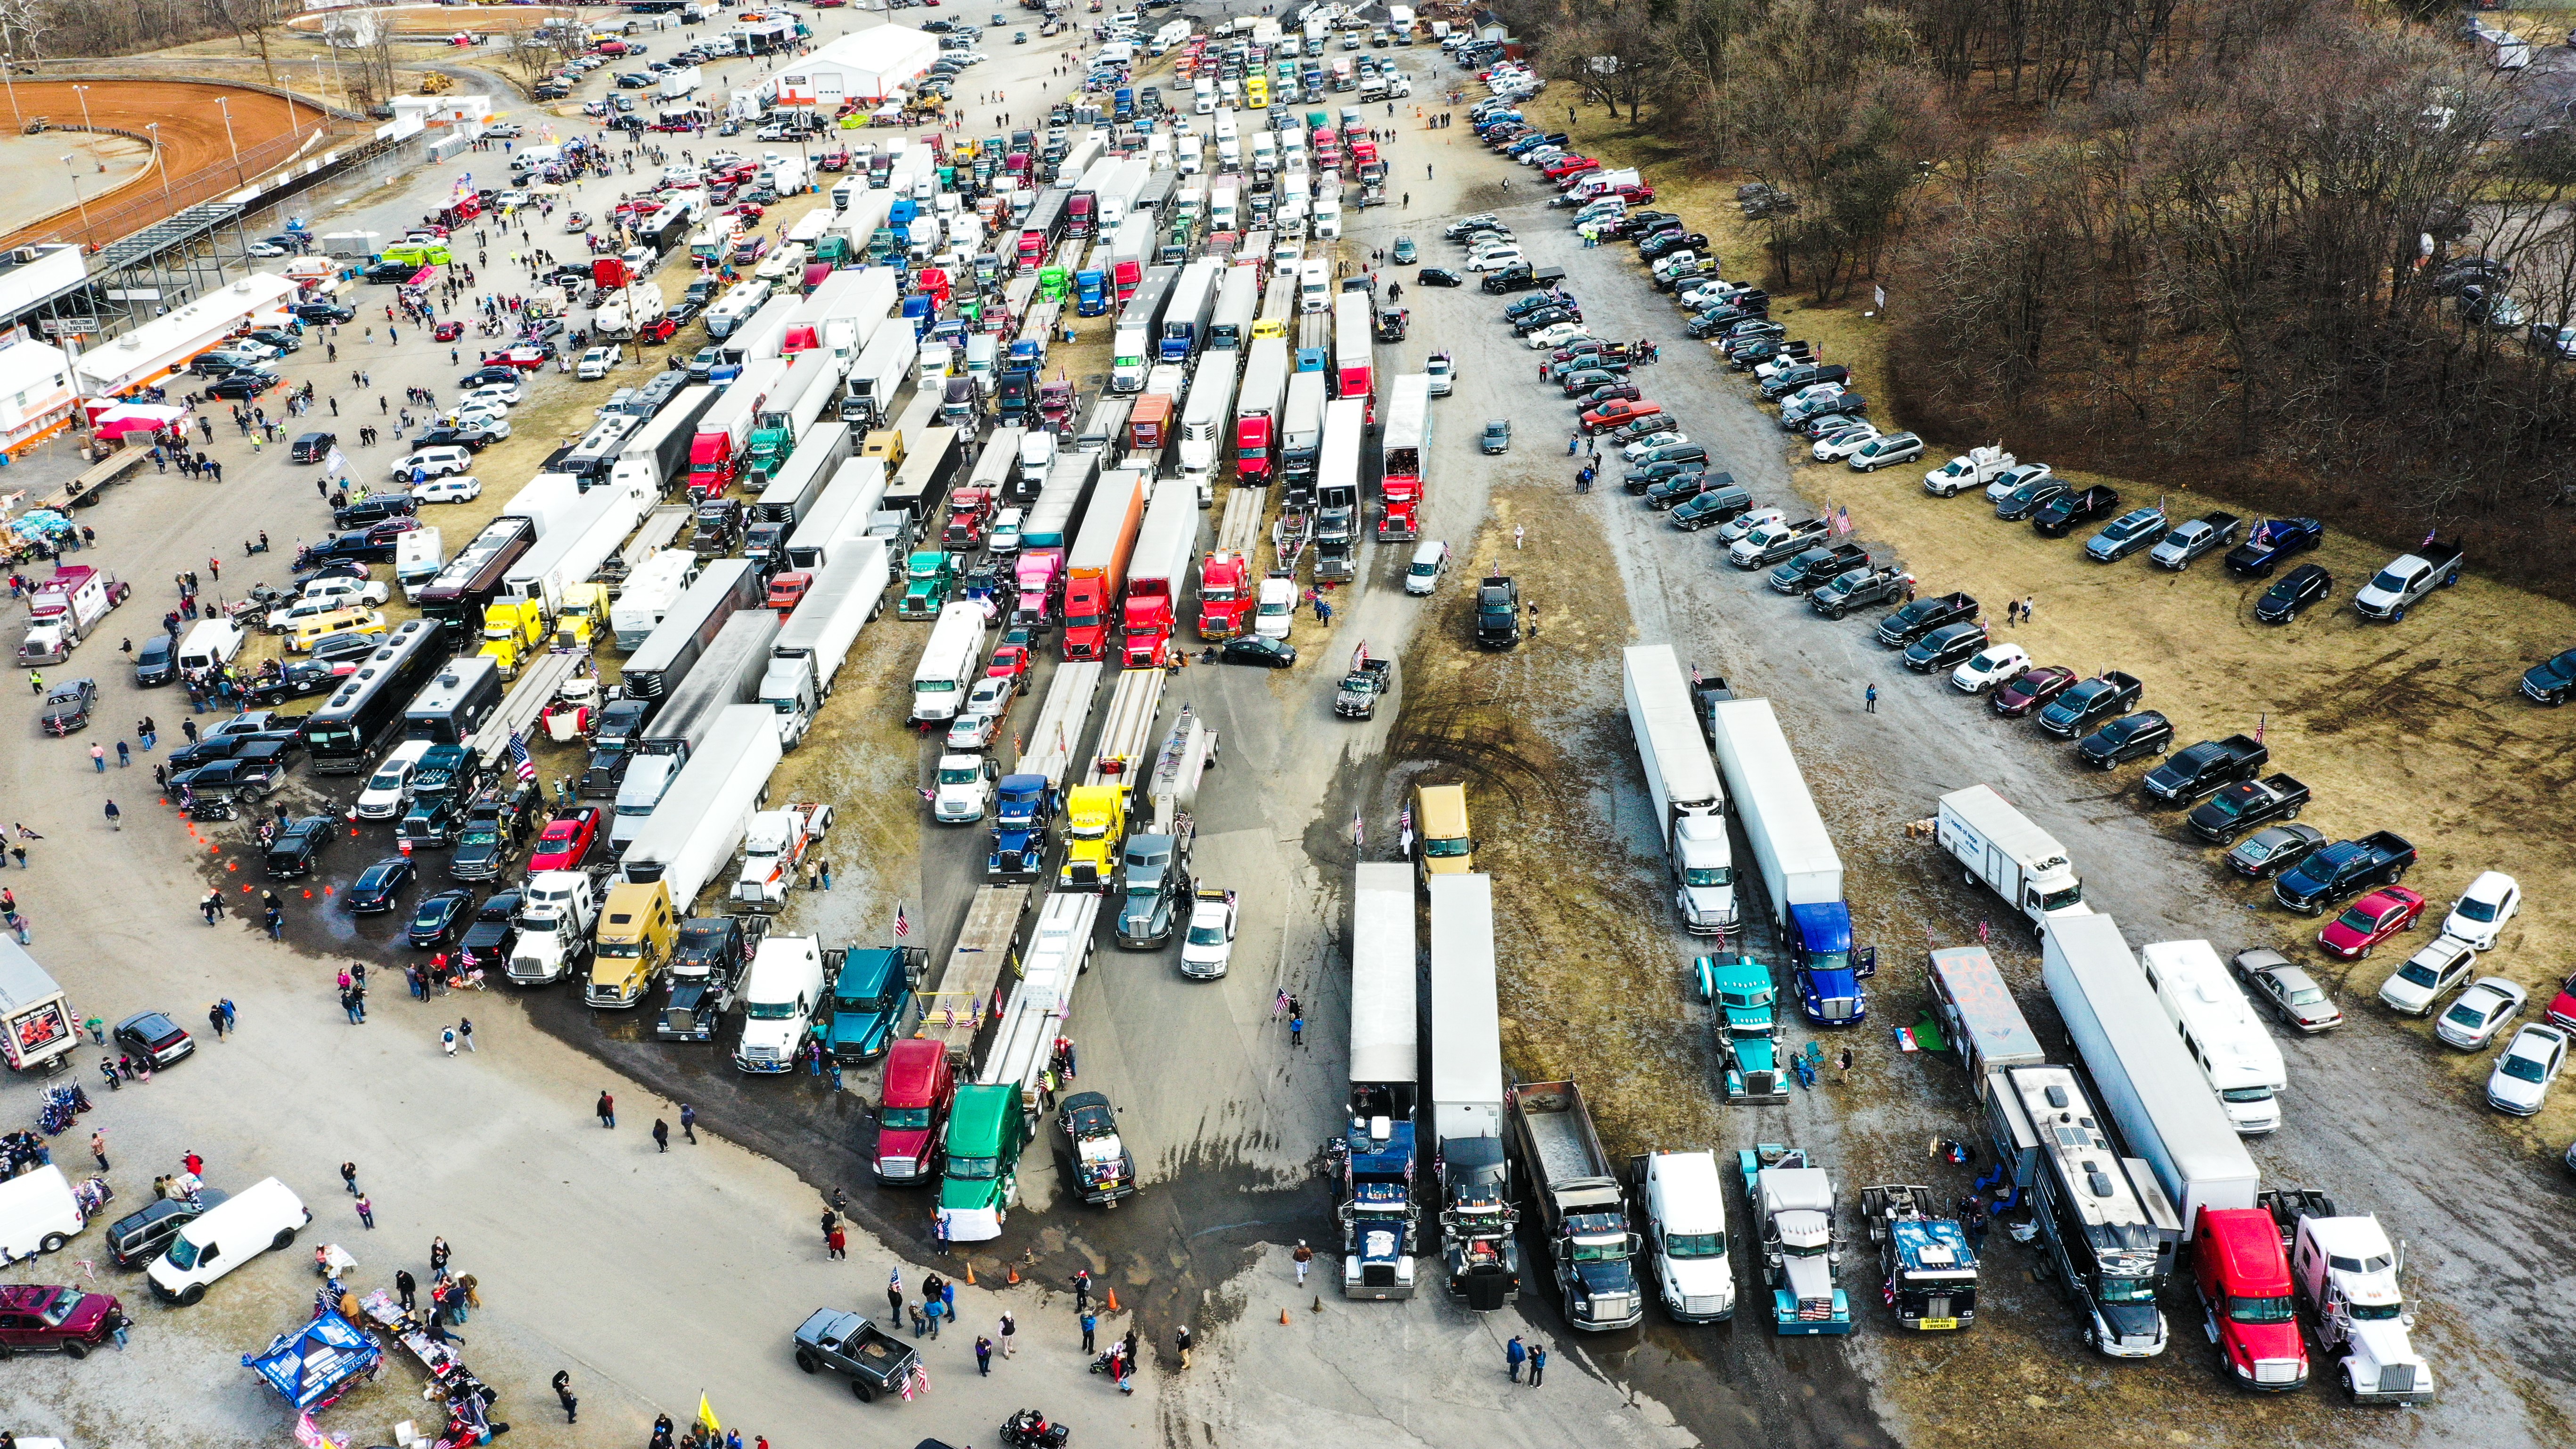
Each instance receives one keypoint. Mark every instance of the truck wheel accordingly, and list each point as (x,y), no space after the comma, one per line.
(806,1360)
(51,1243)
(866,1395)
(192,1295)
(1834,614)
(2291,814)
(2397,616)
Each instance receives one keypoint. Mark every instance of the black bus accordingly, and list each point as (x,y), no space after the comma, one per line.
(368,705)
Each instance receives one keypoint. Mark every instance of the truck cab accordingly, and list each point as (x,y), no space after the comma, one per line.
(986,1131)
(634,942)
(1829,970)
(2246,1297)
(1154,879)
(928,577)
(1685,1202)
(870,997)
(553,922)
(1020,817)
(707,961)
(1801,1247)
(1380,1224)
(782,995)
(2346,1274)
(912,1111)
(964,789)
(1095,825)
(1745,1013)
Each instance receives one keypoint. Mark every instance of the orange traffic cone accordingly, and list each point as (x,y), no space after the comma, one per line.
(970,1275)
(1113,1300)
(1015,1274)
(1283,1318)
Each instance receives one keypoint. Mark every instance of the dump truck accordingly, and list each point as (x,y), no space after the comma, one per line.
(1583,1211)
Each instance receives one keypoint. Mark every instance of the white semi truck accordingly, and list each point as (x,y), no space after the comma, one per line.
(1690,807)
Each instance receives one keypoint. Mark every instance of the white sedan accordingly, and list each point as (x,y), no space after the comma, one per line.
(2531,1062)
(1989,667)
(1665,439)
(972,733)
(1835,446)
(1556,334)
(455,488)
(2481,1012)
(2483,908)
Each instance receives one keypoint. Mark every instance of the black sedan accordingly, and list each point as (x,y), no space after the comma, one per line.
(2130,737)
(2297,589)
(68,705)
(2270,851)
(483,376)
(1254,649)
(242,384)
(2030,497)
(683,310)
(379,887)
(1438,277)
(1539,317)
(440,919)
(156,1038)
(1945,646)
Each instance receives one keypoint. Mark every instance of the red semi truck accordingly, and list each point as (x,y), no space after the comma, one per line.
(1152,598)
(1256,411)
(1407,445)
(1096,573)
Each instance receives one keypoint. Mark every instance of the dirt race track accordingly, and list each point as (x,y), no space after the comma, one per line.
(196,156)
(418,20)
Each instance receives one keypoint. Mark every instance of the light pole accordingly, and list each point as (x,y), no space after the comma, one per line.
(223,104)
(9,75)
(71,164)
(160,158)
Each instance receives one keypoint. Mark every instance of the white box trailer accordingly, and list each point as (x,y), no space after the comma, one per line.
(1385,1039)
(2147,1080)
(2004,852)
(820,452)
(1681,779)
(701,818)
(1061,721)
(809,651)
(841,513)
(761,338)
(1466,1019)
(652,587)
(574,550)
(1059,947)
(867,400)
(852,308)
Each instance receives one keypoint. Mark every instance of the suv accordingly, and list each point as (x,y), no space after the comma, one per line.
(42,1318)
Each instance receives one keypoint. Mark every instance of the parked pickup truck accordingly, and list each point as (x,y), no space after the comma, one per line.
(1773,542)
(2188,541)
(2207,767)
(1857,588)
(2105,696)
(2406,579)
(876,1361)
(1975,468)
(1366,684)
(2246,804)
(1817,566)
(1923,616)
(2273,540)
(2344,869)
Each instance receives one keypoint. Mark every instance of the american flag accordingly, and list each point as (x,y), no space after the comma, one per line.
(902,922)
(519,760)
(2429,535)
(1359,832)
(1842,519)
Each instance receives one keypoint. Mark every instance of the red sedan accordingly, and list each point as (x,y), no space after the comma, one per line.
(2366,922)
(1009,662)
(2030,689)
(568,838)
(447,331)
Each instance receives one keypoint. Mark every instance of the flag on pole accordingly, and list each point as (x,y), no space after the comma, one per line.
(1879,294)
(519,761)
(928,795)
(2260,721)
(902,922)
(1985,934)
(2429,535)
(335,462)
(1359,831)
(707,1414)
(1842,519)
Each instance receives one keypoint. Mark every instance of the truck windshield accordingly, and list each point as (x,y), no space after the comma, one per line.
(1827,964)
(1449,849)
(857,1003)
(620,950)
(1608,1250)
(904,1118)
(1695,1245)
(1709,875)
(2128,1290)
(2060,900)
(973,1168)
(2360,1311)
(2260,1310)
(958,775)
(770,1010)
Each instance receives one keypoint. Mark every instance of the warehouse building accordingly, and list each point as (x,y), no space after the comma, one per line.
(868,66)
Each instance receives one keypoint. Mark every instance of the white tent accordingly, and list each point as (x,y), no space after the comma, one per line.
(869,66)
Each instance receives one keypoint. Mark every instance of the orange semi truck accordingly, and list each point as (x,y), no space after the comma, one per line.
(1096,572)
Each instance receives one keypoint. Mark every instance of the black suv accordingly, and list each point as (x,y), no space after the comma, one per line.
(323,312)
(292,854)
(312,447)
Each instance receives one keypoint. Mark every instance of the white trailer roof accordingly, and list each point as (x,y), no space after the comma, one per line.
(1385,1042)
(1466,1020)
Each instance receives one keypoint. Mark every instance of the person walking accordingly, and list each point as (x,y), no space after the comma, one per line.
(1304,1258)
(1537,1363)
(1869,700)
(1843,1064)
(661,1135)
(2026,603)
(366,1212)
(836,1244)
(349,1177)
(1181,1343)
(98,757)
(1514,1355)
(689,1122)
(1009,1330)
(465,1033)
(447,1039)
(98,1147)
(607,1110)
(563,1393)
(984,1356)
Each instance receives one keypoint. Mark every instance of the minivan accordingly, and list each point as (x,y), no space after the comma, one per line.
(1430,561)
(38,1213)
(1444,846)
(265,1215)
(210,645)
(152,661)
(912,1111)
(139,1237)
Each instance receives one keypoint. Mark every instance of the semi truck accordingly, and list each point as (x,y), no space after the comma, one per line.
(1801,872)
(575,549)
(807,654)
(795,489)
(2151,1087)
(2004,852)
(1404,454)
(658,451)
(1046,537)
(1096,811)
(1160,565)
(812,384)
(1791,1195)
(878,373)
(658,666)
(1256,410)
(2108,1231)
(1203,423)
(1354,355)
(1227,582)
(1684,1203)
(1381,1223)
(1184,327)
(1925,1262)
(1690,808)
(724,434)
(557,910)
(1583,1212)
(1132,349)
(839,515)
(2346,1274)
(1301,434)
(1096,568)
(706,811)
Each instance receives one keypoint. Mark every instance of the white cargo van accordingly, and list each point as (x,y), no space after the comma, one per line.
(210,645)
(417,559)
(38,1213)
(262,1216)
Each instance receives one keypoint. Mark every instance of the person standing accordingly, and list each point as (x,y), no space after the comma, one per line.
(894,1284)
(607,1110)
(1297,1030)
(689,1122)
(1869,700)
(98,1147)
(984,1356)
(1514,1355)
(366,1212)
(1009,1330)
(1082,1290)
(349,1177)
(661,1135)
(1181,1342)
(447,1039)
(563,1392)
(1090,1325)
(1537,1363)
(406,1288)
(837,1243)
(1843,1063)
(1304,1258)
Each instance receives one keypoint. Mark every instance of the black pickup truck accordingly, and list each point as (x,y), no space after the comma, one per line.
(2245,805)
(1923,616)
(2209,766)
(1817,566)
(2105,696)
(2272,541)
(1855,589)
(2343,870)
(1498,613)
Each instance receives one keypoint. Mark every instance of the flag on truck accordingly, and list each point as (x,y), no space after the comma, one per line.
(519,761)
(902,922)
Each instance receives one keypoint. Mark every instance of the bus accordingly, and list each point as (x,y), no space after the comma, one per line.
(368,705)
(2103,1220)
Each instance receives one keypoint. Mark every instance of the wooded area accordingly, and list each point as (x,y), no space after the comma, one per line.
(2166,239)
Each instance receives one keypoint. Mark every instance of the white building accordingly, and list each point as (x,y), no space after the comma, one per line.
(35,391)
(165,344)
(867,66)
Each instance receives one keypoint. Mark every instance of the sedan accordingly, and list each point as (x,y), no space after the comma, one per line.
(1943,647)
(1554,334)
(242,384)
(1497,436)
(439,919)
(490,375)
(1258,650)
(1841,443)
(2274,849)
(2030,497)
(2030,690)
(972,731)
(433,463)
(2130,737)
(503,390)
(2522,1076)
(1993,665)
(1438,277)
(2473,1021)
(155,1037)
(378,886)
(567,839)
(993,695)
(454,488)
(2287,990)
(1635,452)
(2385,912)
(2295,591)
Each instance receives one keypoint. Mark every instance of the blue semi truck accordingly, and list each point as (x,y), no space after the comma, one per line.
(1801,873)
